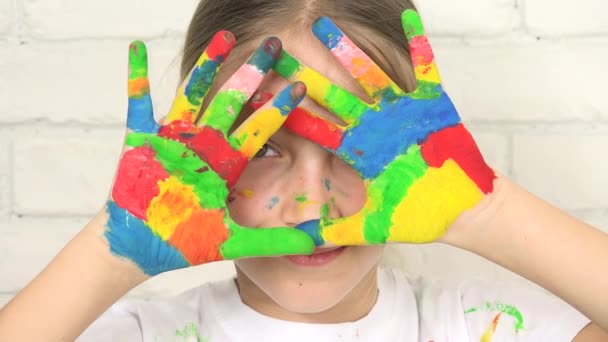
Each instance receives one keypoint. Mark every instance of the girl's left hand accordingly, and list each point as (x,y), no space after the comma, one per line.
(421,167)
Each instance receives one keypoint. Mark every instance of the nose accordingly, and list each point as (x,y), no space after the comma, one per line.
(322,186)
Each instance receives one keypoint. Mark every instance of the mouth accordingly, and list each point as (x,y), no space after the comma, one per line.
(320,257)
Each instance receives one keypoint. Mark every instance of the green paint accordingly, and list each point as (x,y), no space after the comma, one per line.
(504,308)
(189,332)
(182,163)
(224,109)
(286,65)
(301,198)
(138,60)
(426,91)
(245,242)
(387,191)
(345,105)
(324,211)
(412,25)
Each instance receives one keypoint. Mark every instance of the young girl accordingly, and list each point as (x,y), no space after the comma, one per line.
(359,162)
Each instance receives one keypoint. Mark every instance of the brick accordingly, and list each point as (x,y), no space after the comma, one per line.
(80,81)
(563,17)
(28,245)
(527,82)
(64,172)
(566,170)
(61,19)
(468,17)
(7,16)
(5,168)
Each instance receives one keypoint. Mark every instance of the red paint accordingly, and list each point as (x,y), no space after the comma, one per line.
(137,179)
(457,143)
(321,257)
(307,125)
(200,236)
(220,46)
(212,147)
(179,130)
(421,51)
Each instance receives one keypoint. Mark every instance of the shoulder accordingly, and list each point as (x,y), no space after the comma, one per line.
(481,308)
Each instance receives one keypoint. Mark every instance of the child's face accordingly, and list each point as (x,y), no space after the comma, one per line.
(287,184)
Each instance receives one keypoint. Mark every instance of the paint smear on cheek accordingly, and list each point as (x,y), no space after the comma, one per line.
(273,202)
(327,184)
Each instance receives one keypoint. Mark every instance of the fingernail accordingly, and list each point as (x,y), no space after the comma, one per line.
(272,46)
(298,91)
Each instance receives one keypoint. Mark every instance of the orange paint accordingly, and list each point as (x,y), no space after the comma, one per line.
(200,236)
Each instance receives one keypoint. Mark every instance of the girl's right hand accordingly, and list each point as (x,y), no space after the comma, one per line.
(167,208)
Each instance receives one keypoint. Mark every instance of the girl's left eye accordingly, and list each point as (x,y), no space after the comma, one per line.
(265,152)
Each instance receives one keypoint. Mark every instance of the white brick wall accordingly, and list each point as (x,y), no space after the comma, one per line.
(536,106)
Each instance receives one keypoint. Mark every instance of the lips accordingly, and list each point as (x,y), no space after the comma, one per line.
(320,257)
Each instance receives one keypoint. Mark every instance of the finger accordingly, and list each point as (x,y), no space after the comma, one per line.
(140,115)
(374,81)
(248,242)
(195,87)
(308,125)
(262,124)
(339,101)
(423,58)
(227,104)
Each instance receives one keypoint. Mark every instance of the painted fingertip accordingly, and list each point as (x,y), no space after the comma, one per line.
(220,46)
(313,229)
(138,60)
(260,98)
(327,32)
(412,25)
(266,54)
(290,97)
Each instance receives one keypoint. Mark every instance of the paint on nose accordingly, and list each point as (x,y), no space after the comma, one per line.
(313,229)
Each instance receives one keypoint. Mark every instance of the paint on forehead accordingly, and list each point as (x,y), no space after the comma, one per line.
(129,237)
(273,202)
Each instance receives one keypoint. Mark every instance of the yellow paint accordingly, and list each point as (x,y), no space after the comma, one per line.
(489,333)
(432,204)
(348,230)
(173,205)
(318,86)
(258,128)
(428,72)
(247,193)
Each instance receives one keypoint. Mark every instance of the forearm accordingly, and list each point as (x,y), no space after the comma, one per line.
(75,288)
(543,244)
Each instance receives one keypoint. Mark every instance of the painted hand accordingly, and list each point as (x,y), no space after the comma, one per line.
(168,202)
(421,167)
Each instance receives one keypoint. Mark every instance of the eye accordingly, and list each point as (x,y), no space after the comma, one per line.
(265,152)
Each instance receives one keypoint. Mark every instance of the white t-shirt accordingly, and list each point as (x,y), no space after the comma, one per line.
(407,309)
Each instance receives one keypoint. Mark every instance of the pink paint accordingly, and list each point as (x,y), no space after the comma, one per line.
(246,79)
(320,257)
(346,52)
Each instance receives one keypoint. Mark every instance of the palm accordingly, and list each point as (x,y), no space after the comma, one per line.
(421,167)
(168,204)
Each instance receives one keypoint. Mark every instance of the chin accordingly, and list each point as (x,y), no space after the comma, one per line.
(306,289)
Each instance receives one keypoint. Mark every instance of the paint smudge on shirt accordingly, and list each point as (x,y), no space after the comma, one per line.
(190,332)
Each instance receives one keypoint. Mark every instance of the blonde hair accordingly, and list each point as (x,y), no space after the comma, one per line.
(375,26)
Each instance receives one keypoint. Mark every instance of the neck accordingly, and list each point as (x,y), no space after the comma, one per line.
(354,306)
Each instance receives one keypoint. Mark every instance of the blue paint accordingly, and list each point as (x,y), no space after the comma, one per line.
(263,58)
(140,115)
(273,201)
(129,237)
(383,135)
(327,32)
(313,229)
(200,82)
(285,101)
